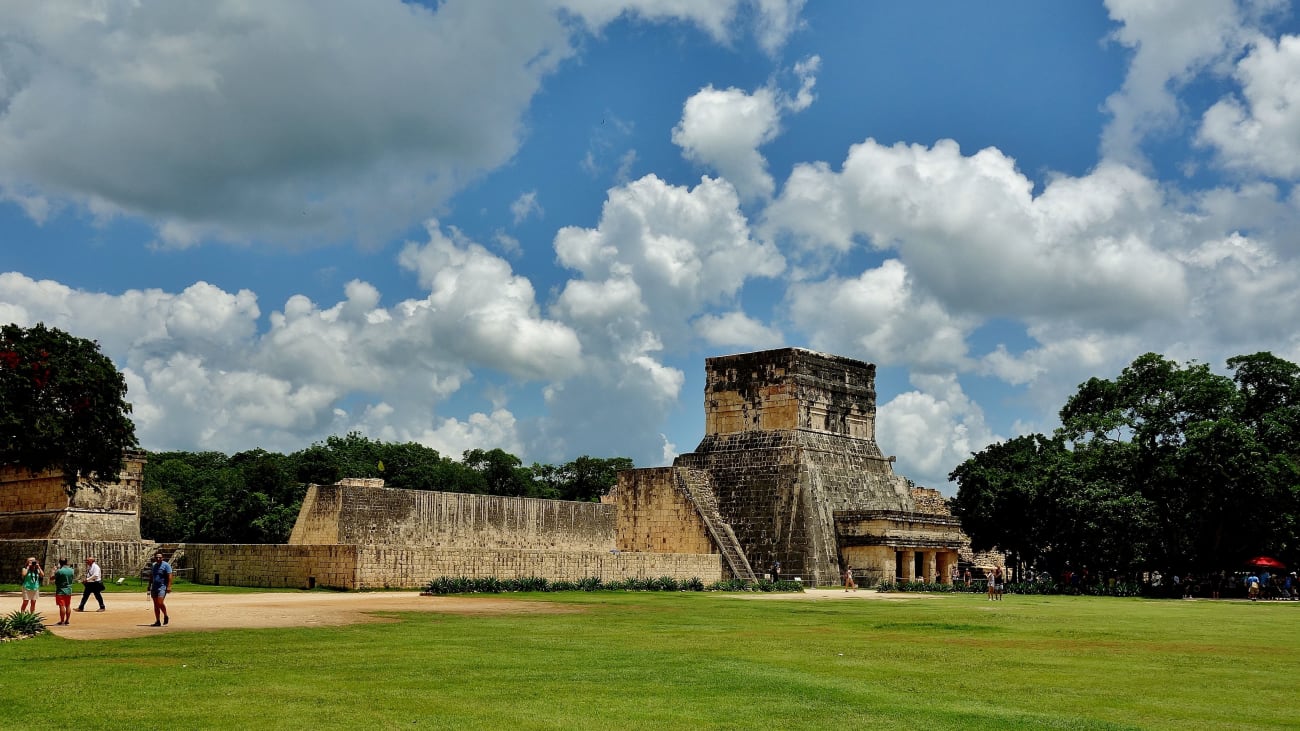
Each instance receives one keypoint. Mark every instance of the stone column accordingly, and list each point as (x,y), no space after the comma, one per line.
(929,565)
(946,560)
(909,565)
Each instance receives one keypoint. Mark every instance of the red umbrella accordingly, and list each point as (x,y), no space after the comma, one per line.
(1265,562)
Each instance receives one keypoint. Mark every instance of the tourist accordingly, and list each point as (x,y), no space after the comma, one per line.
(967,578)
(93,583)
(32,576)
(1252,586)
(160,585)
(997,583)
(989,584)
(776,570)
(63,578)
(848,579)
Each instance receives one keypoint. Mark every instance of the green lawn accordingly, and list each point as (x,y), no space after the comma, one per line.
(693,661)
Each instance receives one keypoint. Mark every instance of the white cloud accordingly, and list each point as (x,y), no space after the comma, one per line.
(723,129)
(932,429)
(1260,132)
(736,329)
(880,317)
(480,310)
(1172,43)
(288,122)
(526,205)
(669,252)
(972,234)
(773,20)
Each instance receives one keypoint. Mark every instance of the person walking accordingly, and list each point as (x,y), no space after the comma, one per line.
(848,579)
(93,584)
(32,576)
(63,578)
(160,585)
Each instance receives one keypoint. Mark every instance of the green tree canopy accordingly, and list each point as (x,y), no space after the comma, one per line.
(62,405)
(1167,466)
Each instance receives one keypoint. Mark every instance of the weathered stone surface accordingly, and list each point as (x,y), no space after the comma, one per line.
(39,506)
(789,440)
(375,515)
(389,566)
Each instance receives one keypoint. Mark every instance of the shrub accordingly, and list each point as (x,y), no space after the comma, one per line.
(490,585)
(22,624)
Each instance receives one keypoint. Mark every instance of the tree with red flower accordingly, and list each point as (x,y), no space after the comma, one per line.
(62,405)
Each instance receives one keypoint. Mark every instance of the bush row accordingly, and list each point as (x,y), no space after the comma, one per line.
(21,624)
(492,585)
(1027,587)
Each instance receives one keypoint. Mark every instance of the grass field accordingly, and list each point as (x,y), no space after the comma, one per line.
(693,661)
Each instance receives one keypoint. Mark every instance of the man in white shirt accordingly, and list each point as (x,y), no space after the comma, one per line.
(94,583)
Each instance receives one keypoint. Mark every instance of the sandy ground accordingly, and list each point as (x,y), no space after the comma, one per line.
(129,615)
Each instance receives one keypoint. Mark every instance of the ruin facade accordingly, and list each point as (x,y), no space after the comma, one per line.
(789,472)
(41,516)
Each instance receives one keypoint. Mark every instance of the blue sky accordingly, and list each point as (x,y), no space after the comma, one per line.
(526,224)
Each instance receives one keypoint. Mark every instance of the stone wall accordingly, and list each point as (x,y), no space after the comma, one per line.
(375,567)
(115,558)
(931,501)
(655,516)
(35,506)
(779,490)
(376,515)
(271,566)
(390,566)
(791,388)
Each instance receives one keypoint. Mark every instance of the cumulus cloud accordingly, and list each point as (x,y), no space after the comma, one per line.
(932,429)
(201,376)
(723,129)
(971,232)
(880,317)
(735,330)
(479,310)
(1172,43)
(773,20)
(1260,131)
(663,253)
(292,121)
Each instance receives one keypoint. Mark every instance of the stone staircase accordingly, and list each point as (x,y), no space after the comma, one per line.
(694,485)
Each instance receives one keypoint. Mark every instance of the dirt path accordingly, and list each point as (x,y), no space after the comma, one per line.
(129,615)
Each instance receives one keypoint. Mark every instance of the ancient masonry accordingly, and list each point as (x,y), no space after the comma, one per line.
(40,516)
(789,471)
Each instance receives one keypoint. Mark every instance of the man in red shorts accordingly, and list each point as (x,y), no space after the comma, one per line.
(63,590)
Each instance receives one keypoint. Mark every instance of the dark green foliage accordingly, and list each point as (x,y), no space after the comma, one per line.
(1168,467)
(21,624)
(489,585)
(254,496)
(62,405)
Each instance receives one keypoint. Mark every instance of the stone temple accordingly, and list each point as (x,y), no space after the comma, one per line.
(789,471)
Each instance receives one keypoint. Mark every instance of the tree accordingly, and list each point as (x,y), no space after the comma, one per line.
(62,405)
(1167,467)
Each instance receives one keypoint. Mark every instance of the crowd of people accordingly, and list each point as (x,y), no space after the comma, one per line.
(32,576)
